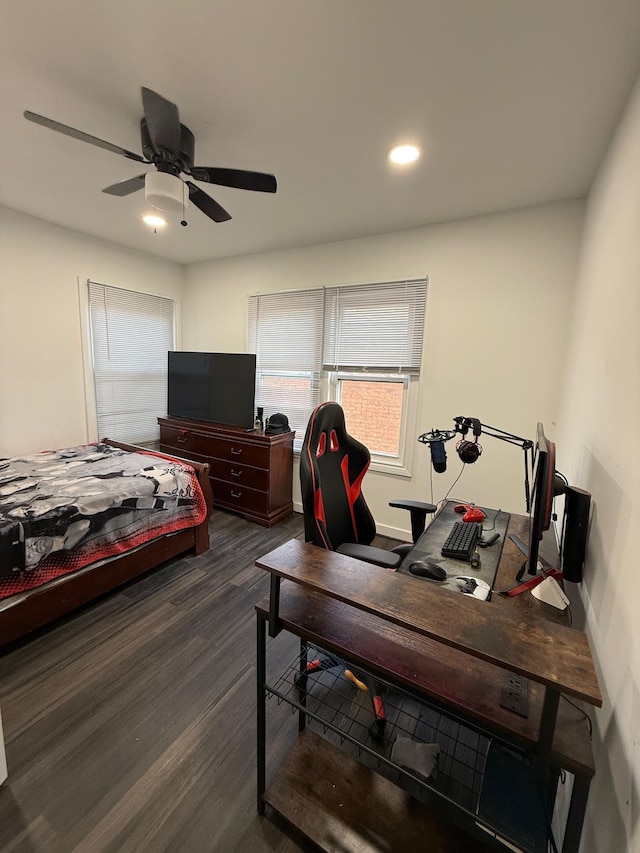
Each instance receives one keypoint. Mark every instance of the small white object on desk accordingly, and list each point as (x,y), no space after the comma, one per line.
(551,592)
(472,586)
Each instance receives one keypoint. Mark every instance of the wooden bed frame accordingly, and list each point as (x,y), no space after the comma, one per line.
(44,604)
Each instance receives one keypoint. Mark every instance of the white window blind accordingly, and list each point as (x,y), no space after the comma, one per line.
(131,334)
(285,333)
(375,327)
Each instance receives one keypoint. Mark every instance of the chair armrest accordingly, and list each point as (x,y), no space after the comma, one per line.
(418,510)
(403,549)
(370,554)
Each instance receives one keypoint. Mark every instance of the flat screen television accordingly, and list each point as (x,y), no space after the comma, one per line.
(544,490)
(212,386)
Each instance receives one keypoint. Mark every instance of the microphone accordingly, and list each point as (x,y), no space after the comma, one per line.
(438,456)
(436,439)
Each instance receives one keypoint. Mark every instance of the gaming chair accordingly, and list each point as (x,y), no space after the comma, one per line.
(336,515)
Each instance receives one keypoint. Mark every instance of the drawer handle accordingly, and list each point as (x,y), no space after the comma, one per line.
(183,437)
(236,473)
(236,494)
(235,452)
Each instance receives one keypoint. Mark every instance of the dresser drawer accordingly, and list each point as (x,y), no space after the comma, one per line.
(231,449)
(240,498)
(240,474)
(185,440)
(234,450)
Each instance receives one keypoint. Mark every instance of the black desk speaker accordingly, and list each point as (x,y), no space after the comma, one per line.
(577,504)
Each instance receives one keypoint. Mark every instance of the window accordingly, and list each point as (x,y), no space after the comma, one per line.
(131,334)
(285,333)
(360,345)
(373,407)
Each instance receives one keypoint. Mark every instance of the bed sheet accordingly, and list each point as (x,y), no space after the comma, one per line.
(64,509)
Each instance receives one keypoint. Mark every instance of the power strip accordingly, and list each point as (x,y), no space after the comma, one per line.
(514,695)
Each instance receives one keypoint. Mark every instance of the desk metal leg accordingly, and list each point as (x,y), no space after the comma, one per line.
(302,680)
(274,606)
(575,818)
(261,703)
(545,736)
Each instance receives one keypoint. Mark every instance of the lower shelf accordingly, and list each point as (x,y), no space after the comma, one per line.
(340,804)
(348,784)
(346,717)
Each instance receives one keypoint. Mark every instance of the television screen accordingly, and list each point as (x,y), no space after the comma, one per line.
(212,386)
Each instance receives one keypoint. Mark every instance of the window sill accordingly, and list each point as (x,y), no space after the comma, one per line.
(395,469)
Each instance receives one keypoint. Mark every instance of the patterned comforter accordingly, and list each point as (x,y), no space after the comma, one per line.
(61,510)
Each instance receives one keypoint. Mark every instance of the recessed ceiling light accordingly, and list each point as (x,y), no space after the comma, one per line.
(404,154)
(154,221)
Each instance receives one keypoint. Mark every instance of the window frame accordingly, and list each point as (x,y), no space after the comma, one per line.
(401,463)
(86,332)
(331,377)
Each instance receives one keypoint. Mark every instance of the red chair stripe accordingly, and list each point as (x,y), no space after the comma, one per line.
(353,490)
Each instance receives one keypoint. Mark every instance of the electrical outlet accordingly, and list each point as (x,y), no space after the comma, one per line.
(515,694)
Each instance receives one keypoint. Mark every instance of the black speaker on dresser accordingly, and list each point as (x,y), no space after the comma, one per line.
(577,504)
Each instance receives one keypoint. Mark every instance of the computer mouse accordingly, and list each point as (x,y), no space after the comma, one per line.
(427,569)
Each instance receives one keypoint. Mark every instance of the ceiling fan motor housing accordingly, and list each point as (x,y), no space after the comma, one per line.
(166,192)
(183,158)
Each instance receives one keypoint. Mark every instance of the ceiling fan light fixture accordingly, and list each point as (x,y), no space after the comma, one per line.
(153,220)
(403,154)
(166,192)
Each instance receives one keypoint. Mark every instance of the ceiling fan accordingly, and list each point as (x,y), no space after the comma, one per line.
(170,147)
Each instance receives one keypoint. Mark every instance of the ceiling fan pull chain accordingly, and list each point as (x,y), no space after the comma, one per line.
(184,210)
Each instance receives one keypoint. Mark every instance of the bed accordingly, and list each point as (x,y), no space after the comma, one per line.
(79,522)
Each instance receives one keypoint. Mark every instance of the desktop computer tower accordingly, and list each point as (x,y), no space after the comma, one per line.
(577,505)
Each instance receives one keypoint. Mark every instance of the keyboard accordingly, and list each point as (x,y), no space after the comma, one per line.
(462,539)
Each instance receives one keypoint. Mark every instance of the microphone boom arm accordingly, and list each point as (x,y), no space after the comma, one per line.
(464,424)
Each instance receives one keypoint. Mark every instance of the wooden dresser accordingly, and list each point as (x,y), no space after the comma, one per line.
(251,473)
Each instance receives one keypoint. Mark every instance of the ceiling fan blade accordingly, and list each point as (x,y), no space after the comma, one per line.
(127,187)
(83,137)
(163,122)
(206,204)
(238,178)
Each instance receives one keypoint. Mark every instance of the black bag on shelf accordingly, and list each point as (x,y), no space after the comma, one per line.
(278,423)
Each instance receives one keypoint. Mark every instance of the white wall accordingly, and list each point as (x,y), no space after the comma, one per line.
(42,390)
(500,296)
(599,419)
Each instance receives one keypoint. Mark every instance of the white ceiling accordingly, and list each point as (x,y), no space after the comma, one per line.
(513,102)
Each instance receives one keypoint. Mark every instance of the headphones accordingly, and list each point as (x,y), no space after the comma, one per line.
(468,451)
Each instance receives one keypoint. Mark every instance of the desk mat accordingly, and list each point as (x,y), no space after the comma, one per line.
(429,546)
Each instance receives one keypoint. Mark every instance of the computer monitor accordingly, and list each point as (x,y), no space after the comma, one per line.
(544,482)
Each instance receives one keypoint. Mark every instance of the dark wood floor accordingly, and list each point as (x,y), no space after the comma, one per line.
(130,725)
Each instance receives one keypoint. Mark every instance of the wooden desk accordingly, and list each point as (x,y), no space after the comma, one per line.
(445,648)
